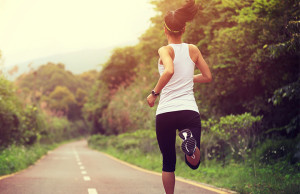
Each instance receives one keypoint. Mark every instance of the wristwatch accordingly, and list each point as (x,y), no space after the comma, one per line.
(154,93)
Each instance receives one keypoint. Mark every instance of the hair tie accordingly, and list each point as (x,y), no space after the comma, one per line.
(175,31)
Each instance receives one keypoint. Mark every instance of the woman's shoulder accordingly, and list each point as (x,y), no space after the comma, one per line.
(166,49)
(193,47)
(194,52)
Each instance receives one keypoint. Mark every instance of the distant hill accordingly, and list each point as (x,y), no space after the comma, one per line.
(77,62)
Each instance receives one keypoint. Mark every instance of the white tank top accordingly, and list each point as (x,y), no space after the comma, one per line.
(178,94)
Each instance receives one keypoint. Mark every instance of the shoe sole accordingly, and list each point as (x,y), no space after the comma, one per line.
(188,146)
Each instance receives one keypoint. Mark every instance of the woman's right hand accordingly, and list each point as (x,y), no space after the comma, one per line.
(151,100)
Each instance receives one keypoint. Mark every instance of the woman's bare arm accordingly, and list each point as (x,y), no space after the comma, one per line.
(165,56)
(167,61)
(205,75)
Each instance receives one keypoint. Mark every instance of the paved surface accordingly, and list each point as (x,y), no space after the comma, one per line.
(75,169)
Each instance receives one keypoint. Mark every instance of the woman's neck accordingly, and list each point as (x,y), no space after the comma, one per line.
(174,40)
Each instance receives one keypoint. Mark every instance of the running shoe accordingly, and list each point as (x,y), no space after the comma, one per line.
(185,133)
(188,145)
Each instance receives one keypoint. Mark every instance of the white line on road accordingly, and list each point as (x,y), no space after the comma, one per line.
(92,191)
(86,178)
(79,163)
(83,172)
(81,167)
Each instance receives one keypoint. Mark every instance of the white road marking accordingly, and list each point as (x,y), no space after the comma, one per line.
(79,163)
(83,172)
(81,167)
(86,178)
(92,191)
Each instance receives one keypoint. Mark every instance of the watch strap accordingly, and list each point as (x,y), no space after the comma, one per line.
(154,93)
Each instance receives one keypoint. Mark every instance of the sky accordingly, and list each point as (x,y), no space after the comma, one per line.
(32,29)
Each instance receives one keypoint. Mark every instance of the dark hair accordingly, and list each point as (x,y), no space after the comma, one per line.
(175,20)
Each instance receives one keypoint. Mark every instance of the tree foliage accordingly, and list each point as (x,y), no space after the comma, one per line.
(60,91)
(119,70)
(25,124)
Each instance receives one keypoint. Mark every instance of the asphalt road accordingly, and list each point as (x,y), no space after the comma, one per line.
(75,169)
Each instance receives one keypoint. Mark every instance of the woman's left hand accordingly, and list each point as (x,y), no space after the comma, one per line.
(151,100)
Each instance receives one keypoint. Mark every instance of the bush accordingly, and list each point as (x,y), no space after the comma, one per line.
(58,129)
(15,158)
(272,151)
(18,125)
(144,140)
(32,123)
(10,109)
(232,134)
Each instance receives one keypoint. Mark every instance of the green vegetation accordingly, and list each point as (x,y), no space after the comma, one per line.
(141,148)
(250,112)
(23,122)
(36,114)
(56,90)
(15,158)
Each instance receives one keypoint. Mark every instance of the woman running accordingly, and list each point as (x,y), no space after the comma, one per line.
(177,108)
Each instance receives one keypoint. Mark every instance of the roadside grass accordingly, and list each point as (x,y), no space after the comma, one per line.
(141,149)
(16,158)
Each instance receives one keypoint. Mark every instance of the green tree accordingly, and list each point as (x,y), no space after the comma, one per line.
(90,77)
(61,99)
(98,100)
(119,70)
(19,123)
(10,109)
(47,77)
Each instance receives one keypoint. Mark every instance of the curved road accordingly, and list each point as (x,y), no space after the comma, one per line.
(75,169)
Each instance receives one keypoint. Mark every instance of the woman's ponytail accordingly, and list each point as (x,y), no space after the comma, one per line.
(175,20)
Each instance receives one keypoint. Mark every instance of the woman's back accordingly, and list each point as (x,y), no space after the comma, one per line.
(178,93)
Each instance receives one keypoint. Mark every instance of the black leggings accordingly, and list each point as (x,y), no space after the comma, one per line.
(166,126)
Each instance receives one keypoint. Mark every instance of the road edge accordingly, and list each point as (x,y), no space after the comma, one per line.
(191,182)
